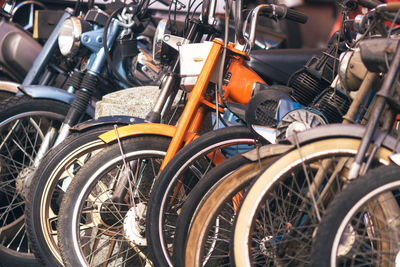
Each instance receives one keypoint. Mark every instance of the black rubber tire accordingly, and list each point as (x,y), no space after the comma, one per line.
(169,177)
(12,109)
(22,104)
(217,203)
(194,200)
(5,95)
(102,162)
(274,184)
(45,182)
(341,206)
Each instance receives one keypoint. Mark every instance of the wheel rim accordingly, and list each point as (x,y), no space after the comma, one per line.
(95,195)
(55,188)
(192,171)
(284,244)
(368,235)
(20,139)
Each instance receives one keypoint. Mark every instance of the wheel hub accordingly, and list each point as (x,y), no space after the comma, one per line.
(346,241)
(24,180)
(266,246)
(111,214)
(134,224)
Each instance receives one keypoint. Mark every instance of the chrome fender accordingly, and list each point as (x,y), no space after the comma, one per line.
(48,92)
(11,87)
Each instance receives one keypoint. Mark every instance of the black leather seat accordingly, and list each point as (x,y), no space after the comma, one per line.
(275,66)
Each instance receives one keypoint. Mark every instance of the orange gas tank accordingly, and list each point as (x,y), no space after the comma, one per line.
(238,81)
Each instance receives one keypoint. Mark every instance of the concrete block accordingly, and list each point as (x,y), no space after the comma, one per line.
(135,101)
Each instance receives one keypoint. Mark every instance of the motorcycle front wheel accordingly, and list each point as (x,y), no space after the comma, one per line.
(24,123)
(57,169)
(279,214)
(179,177)
(360,227)
(102,216)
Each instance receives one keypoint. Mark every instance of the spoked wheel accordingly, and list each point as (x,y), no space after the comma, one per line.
(179,177)
(361,226)
(102,217)
(24,124)
(49,185)
(208,214)
(281,211)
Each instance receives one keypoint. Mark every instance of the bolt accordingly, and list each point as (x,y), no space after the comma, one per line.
(166,38)
(86,38)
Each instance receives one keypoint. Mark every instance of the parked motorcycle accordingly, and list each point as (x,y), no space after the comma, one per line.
(31,120)
(296,189)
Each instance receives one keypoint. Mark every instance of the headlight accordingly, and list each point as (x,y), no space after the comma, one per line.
(158,40)
(69,36)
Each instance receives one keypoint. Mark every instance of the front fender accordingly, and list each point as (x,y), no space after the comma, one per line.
(143,129)
(48,92)
(355,131)
(106,120)
(11,87)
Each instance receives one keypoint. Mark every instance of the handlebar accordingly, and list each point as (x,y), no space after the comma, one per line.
(274,11)
(393,6)
(283,12)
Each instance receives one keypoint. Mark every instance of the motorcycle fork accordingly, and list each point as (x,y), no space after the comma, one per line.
(190,120)
(193,114)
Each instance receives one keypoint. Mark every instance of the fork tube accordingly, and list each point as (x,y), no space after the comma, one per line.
(193,103)
(365,87)
(374,119)
(171,80)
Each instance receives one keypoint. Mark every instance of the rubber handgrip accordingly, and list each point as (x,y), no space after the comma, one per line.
(393,6)
(369,3)
(296,16)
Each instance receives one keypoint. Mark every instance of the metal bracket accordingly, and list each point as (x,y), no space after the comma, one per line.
(174,41)
(93,40)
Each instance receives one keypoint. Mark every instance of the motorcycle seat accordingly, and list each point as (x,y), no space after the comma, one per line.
(275,66)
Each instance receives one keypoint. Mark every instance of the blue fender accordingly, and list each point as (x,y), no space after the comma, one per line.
(53,93)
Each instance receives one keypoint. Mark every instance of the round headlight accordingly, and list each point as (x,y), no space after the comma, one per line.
(157,40)
(69,36)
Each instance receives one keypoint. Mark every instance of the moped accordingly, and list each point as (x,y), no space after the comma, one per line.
(31,120)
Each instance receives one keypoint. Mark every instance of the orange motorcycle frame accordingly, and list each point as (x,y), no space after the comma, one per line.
(238,89)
